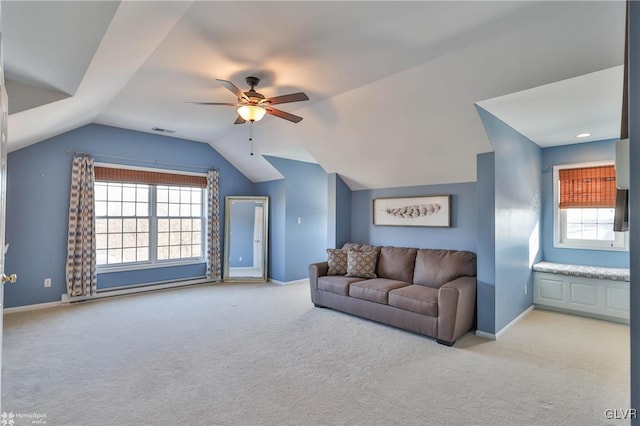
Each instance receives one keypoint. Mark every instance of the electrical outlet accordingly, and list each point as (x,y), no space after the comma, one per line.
(526,288)
(240,259)
(47,282)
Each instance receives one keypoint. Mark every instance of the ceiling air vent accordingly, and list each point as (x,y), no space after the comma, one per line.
(161,130)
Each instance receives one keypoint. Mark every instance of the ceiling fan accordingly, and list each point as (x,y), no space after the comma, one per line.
(252,106)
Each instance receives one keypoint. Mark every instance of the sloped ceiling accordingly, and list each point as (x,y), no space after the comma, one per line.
(392,85)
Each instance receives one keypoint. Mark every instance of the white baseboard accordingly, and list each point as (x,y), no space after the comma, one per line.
(288,282)
(122,291)
(496,336)
(31,307)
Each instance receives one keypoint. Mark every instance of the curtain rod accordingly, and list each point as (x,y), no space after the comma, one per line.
(115,157)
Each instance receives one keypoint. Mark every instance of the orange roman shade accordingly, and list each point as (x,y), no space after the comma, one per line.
(589,187)
(109,174)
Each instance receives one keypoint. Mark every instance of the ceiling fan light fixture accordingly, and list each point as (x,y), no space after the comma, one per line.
(251,112)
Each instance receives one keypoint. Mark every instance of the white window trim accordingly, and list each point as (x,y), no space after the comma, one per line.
(167,263)
(558,242)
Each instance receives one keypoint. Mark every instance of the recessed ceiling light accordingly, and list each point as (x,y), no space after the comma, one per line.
(583,135)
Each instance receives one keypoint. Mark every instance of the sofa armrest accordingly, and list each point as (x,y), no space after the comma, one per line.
(316,270)
(456,308)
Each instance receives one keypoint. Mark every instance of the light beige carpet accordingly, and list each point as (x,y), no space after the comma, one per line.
(262,354)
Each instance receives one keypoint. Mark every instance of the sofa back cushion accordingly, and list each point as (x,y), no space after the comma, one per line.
(397,263)
(437,267)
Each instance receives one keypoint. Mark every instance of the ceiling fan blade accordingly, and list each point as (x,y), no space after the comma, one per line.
(292,97)
(239,120)
(233,89)
(285,115)
(212,103)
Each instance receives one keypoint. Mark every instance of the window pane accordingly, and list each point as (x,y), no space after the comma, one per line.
(195,237)
(605,232)
(100,191)
(175,225)
(185,210)
(163,209)
(162,194)
(129,255)
(142,209)
(143,254)
(114,256)
(101,208)
(196,210)
(174,252)
(115,241)
(589,215)
(128,209)
(174,209)
(101,241)
(174,238)
(185,196)
(163,225)
(114,192)
(142,193)
(101,226)
(142,240)
(163,253)
(186,225)
(589,231)
(195,250)
(101,257)
(143,225)
(129,225)
(129,193)
(574,215)
(163,239)
(114,208)
(574,231)
(605,215)
(174,195)
(115,225)
(129,240)
(186,251)
(185,238)
(197,223)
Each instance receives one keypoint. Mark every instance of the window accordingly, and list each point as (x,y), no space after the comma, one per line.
(584,207)
(148,223)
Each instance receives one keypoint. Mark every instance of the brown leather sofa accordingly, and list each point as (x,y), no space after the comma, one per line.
(430,292)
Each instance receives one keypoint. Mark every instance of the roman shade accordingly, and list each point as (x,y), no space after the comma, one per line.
(588,187)
(111,174)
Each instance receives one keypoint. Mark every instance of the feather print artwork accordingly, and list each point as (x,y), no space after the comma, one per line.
(418,210)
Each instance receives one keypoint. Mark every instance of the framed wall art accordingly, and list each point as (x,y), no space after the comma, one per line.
(432,210)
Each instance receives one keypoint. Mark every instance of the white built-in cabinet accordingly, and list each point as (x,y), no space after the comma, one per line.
(588,296)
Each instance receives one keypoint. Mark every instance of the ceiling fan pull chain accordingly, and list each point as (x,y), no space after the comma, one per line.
(251,136)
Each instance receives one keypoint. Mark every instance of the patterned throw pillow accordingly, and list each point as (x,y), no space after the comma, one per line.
(361,264)
(337,261)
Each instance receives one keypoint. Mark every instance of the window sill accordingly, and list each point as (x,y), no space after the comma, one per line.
(142,266)
(578,246)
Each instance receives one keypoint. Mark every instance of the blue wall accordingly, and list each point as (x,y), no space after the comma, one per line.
(634,199)
(339,212)
(38,185)
(276,191)
(518,185)
(306,192)
(567,154)
(486,280)
(460,236)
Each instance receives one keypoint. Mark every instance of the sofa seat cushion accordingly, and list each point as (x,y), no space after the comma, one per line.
(337,284)
(416,298)
(375,290)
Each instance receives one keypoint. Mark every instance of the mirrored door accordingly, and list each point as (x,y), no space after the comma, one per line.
(245,238)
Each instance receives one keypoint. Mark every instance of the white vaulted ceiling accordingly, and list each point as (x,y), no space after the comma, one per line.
(392,85)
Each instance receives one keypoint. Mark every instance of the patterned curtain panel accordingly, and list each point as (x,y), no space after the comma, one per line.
(81,245)
(213,225)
